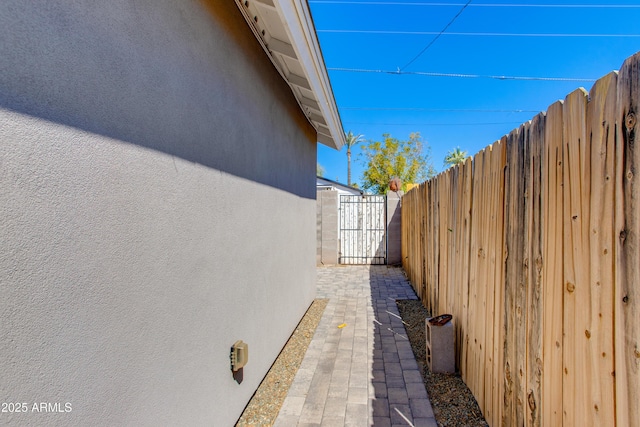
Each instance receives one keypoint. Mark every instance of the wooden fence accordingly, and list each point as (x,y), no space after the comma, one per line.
(533,246)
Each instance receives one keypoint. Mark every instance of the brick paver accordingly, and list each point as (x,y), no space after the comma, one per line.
(365,373)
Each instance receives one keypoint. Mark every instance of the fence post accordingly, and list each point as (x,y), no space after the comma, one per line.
(394,230)
(327,234)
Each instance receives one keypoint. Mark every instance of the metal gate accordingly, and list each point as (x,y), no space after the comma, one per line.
(363,229)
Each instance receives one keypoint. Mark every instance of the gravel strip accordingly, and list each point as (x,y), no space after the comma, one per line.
(452,401)
(265,404)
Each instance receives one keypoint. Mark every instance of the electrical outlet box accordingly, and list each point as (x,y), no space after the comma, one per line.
(239,355)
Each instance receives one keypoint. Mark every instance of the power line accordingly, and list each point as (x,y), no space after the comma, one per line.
(556,6)
(457,75)
(432,124)
(430,33)
(436,110)
(438,35)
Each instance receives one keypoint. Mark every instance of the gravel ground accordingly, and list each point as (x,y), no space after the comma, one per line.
(265,404)
(452,401)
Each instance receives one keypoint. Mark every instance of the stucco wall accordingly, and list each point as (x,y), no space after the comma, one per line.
(157,185)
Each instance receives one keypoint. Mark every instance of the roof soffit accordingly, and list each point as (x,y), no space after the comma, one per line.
(286,32)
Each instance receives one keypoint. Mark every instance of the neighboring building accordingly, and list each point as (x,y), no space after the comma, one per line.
(157,199)
(327,184)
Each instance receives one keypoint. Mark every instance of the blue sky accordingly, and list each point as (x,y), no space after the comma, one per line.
(488,38)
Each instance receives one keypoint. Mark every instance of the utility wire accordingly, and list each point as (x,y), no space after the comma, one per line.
(469,76)
(558,6)
(431,124)
(437,36)
(435,110)
(429,33)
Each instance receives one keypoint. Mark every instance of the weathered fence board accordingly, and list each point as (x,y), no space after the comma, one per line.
(601,133)
(627,273)
(515,277)
(552,260)
(576,265)
(472,353)
(533,260)
(497,253)
(533,246)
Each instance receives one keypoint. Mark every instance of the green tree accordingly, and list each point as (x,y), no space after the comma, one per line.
(351,140)
(455,157)
(408,160)
(319,169)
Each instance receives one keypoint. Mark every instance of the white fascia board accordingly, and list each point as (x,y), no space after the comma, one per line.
(299,24)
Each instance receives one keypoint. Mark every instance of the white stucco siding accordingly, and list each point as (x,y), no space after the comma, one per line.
(156,205)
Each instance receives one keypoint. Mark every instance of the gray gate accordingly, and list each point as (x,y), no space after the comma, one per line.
(363,234)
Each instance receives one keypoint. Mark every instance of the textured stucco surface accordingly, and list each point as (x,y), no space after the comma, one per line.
(328,236)
(394,227)
(157,186)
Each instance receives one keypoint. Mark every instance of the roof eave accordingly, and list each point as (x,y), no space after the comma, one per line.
(285,30)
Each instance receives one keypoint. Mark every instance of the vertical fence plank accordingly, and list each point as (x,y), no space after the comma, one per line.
(575,389)
(463,299)
(513,280)
(521,264)
(422,233)
(601,117)
(460,246)
(408,227)
(474,265)
(443,264)
(471,353)
(405,218)
(452,226)
(445,236)
(466,321)
(484,229)
(424,257)
(438,223)
(498,168)
(552,278)
(417,260)
(487,283)
(435,280)
(627,280)
(482,254)
(534,261)
(430,255)
(456,229)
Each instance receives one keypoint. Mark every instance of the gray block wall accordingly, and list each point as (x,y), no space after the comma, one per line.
(394,231)
(328,244)
(440,351)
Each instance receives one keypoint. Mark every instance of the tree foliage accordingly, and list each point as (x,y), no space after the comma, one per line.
(319,170)
(455,157)
(408,160)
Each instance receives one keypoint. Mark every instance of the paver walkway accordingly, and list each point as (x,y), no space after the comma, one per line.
(365,373)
